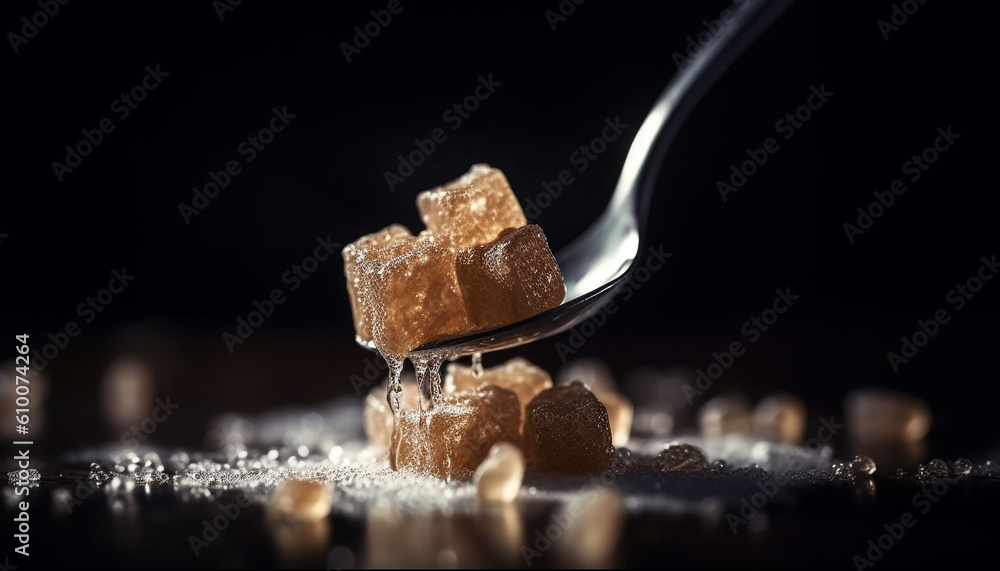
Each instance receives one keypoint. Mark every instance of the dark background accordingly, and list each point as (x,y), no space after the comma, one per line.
(323,175)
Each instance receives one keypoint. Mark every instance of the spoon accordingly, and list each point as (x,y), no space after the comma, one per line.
(601,260)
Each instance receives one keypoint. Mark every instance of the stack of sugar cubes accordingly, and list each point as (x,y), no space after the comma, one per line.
(562,429)
(477,266)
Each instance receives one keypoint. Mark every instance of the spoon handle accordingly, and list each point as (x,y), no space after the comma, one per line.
(619,234)
(642,164)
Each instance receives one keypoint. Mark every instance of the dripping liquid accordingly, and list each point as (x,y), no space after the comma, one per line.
(477,365)
(429,386)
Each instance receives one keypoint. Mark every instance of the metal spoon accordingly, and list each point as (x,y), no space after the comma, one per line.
(601,260)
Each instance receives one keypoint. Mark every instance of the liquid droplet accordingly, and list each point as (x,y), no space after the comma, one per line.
(681,459)
(863,466)
(937,468)
(434,378)
(963,466)
(420,368)
(841,472)
(395,387)
(477,365)
(924,475)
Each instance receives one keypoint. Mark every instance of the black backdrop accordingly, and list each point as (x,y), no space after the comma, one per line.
(323,175)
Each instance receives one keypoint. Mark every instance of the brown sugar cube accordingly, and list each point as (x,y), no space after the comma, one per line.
(780,417)
(411,296)
(593,373)
(567,431)
(882,415)
(517,375)
(509,279)
(596,376)
(358,251)
(378,417)
(472,209)
(452,439)
(728,413)
(499,477)
(620,413)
